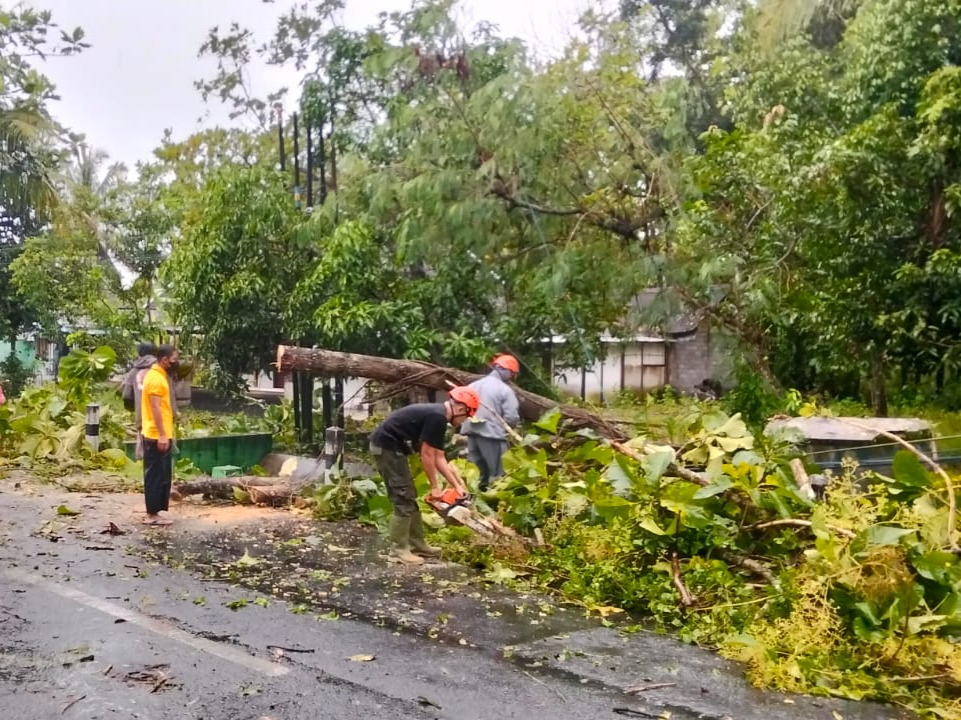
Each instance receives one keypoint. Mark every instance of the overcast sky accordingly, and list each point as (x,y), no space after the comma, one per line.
(138,77)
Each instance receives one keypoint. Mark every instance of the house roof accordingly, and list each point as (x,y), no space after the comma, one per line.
(610,339)
(826,428)
(662,311)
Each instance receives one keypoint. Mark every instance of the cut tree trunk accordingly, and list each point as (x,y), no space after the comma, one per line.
(262,490)
(414,373)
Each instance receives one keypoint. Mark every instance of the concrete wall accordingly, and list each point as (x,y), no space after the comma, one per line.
(26,351)
(704,355)
(644,366)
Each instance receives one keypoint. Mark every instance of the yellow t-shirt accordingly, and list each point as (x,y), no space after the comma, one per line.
(156,384)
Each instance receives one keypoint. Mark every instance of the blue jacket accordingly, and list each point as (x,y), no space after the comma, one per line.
(497,395)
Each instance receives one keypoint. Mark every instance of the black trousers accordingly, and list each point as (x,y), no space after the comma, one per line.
(158,470)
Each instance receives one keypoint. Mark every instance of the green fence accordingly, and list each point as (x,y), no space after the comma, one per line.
(206,453)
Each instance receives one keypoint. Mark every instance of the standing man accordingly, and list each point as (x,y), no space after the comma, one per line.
(486,434)
(419,428)
(158,434)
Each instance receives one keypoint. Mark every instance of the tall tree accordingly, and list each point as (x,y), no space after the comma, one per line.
(28,144)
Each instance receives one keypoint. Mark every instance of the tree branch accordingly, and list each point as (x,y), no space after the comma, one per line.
(513,202)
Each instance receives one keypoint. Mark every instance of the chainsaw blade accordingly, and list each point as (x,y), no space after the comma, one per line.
(457,510)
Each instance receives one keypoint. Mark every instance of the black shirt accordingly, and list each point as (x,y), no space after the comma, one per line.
(404,430)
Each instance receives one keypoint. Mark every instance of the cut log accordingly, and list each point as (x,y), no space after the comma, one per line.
(415,373)
(262,490)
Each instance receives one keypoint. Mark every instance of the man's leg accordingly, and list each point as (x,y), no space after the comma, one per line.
(166,476)
(491,450)
(475,455)
(418,544)
(498,466)
(156,491)
(395,471)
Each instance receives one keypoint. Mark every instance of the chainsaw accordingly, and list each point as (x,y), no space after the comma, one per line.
(457,509)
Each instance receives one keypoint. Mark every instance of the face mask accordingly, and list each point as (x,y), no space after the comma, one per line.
(173,367)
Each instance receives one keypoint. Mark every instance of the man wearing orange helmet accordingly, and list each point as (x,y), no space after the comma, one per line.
(486,434)
(419,428)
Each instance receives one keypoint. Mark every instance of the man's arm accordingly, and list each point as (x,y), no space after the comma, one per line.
(450,473)
(511,407)
(163,442)
(428,459)
(434,462)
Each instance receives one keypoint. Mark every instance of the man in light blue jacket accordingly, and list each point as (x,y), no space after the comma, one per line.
(486,434)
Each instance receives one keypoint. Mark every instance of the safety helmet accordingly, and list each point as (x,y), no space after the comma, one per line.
(467,396)
(508,362)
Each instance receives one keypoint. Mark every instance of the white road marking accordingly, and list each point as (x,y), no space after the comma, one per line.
(157,627)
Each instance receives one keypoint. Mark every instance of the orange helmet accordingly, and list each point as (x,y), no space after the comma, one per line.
(508,362)
(466,396)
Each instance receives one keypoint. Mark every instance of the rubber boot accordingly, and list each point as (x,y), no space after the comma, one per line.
(417,543)
(400,542)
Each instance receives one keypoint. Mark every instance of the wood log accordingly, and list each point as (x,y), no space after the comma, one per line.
(422,374)
(262,490)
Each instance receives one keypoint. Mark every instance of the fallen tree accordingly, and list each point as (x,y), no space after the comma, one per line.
(403,374)
(261,490)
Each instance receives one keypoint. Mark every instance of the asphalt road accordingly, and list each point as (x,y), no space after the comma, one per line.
(90,633)
(308,621)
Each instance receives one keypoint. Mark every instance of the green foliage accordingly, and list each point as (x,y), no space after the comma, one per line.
(859,597)
(353,299)
(30,148)
(826,206)
(232,269)
(45,425)
(14,375)
(81,373)
(360,498)
(751,396)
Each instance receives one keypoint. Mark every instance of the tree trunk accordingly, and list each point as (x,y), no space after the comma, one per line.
(421,374)
(879,394)
(262,490)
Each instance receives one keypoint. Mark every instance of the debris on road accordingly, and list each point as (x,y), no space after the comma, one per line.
(155,674)
(635,689)
(72,703)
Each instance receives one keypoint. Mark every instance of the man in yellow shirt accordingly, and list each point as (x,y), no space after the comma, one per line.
(157,418)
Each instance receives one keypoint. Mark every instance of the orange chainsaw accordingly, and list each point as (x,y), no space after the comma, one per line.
(458,509)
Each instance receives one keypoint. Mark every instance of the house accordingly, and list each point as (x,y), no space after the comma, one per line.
(683,350)
(36,353)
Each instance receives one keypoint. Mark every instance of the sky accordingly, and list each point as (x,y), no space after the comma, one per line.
(138,77)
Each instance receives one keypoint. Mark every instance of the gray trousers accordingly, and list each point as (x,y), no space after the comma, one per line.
(486,454)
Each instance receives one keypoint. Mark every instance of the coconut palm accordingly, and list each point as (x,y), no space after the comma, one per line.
(87,170)
(26,187)
(88,184)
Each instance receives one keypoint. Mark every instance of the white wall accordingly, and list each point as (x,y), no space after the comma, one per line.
(354,394)
(643,369)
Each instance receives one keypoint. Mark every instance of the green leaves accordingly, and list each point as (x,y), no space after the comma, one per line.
(910,477)
(718,437)
(234,268)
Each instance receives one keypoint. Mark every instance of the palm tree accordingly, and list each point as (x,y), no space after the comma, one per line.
(27,197)
(86,170)
(26,187)
(86,182)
